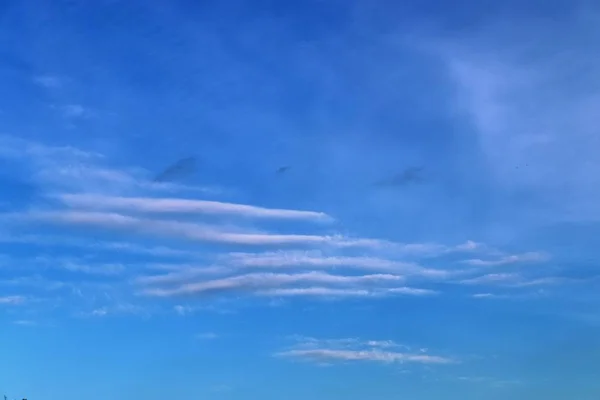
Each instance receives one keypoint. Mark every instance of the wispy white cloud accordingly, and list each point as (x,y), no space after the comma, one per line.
(183,309)
(323,292)
(315,259)
(301,341)
(66,168)
(188,231)
(492,279)
(73,264)
(327,355)
(483,295)
(344,350)
(328,292)
(111,269)
(545,281)
(258,281)
(180,275)
(116,309)
(530,257)
(436,249)
(409,291)
(25,322)
(36,281)
(13,300)
(104,198)
(420,249)
(382,343)
(514,280)
(15,147)
(177,205)
(70,241)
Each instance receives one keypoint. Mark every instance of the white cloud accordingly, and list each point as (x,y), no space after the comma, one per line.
(530,257)
(185,230)
(544,281)
(301,341)
(99,312)
(66,168)
(325,292)
(315,259)
(492,279)
(175,205)
(122,190)
(37,281)
(25,322)
(183,310)
(419,249)
(16,147)
(181,275)
(54,240)
(328,292)
(352,349)
(78,173)
(411,291)
(116,309)
(83,265)
(483,295)
(12,300)
(436,249)
(382,343)
(258,281)
(102,269)
(326,355)
(512,280)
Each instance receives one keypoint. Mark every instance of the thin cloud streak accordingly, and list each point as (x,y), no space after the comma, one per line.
(530,257)
(515,281)
(315,292)
(15,147)
(353,349)
(176,205)
(12,300)
(329,355)
(411,291)
(491,279)
(289,259)
(484,295)
(68,241)
(185,230)
(333,292)
(73,169)
(183,275)
(259,281)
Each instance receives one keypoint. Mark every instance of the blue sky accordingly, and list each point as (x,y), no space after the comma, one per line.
(235,281)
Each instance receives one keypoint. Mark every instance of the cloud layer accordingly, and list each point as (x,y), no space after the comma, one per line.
(165,205)
(84,198)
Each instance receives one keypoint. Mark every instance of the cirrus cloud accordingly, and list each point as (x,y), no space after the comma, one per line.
(354,350)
